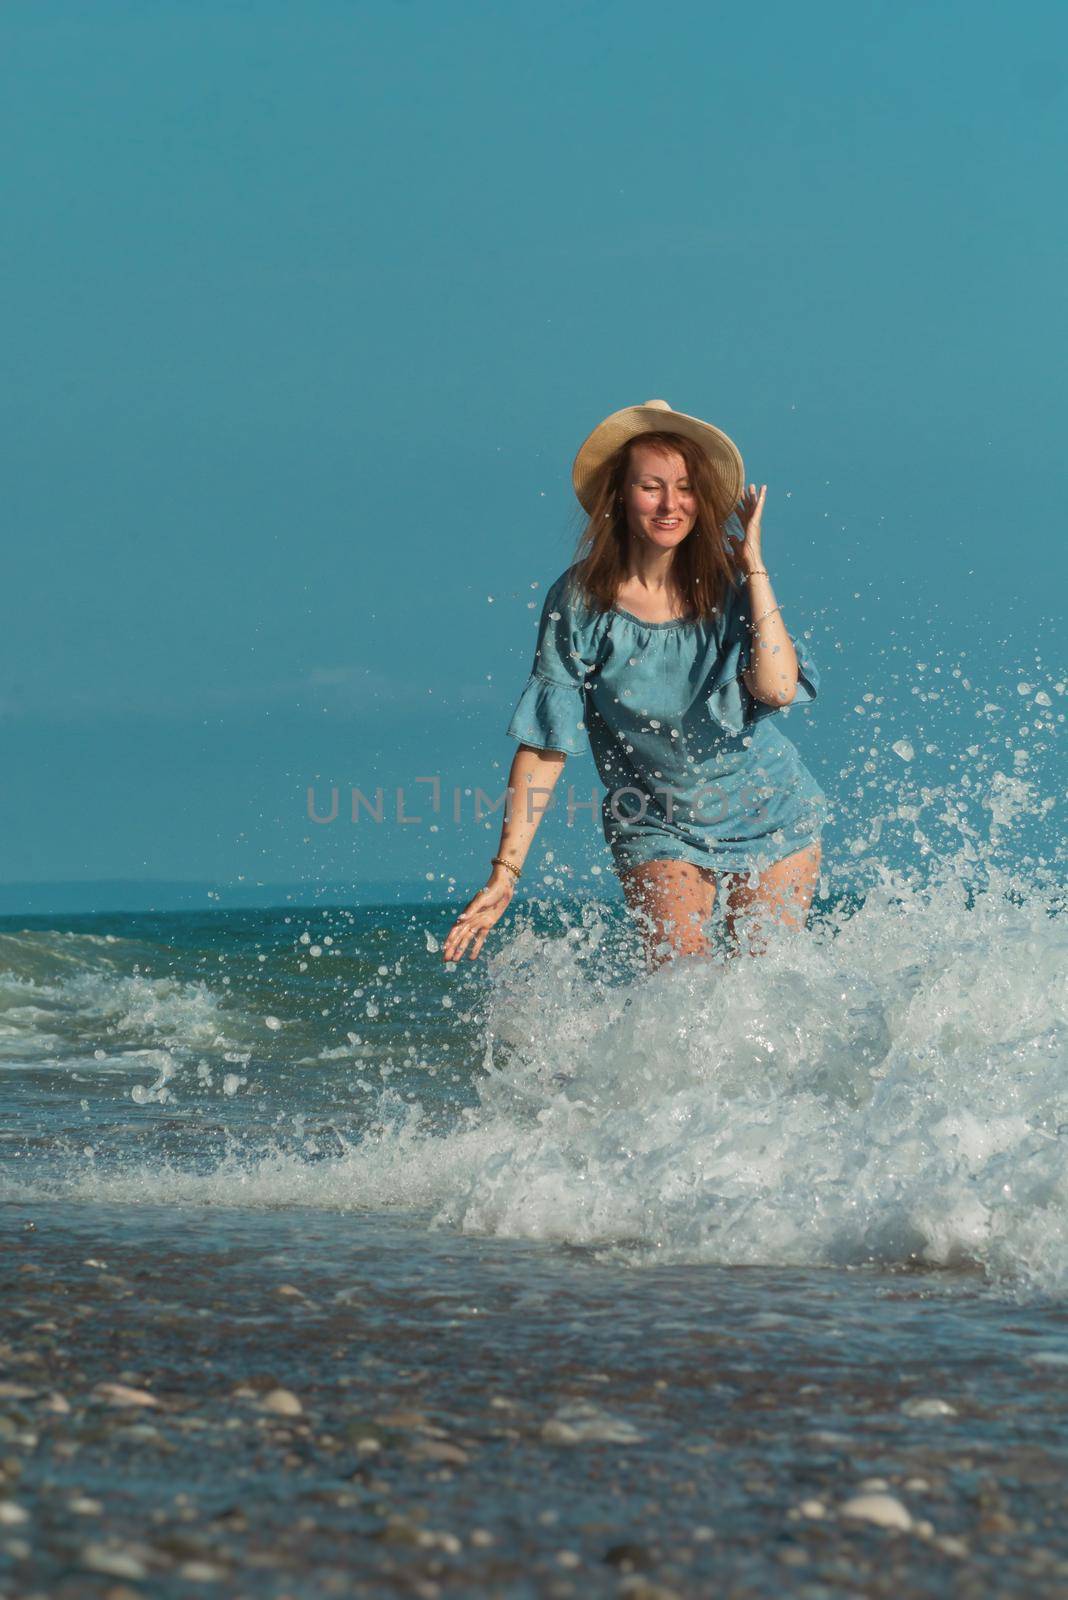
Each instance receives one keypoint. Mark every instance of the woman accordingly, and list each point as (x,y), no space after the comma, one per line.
(663,645)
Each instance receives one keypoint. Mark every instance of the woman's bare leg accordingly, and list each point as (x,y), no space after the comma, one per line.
(672,901)
(782,897)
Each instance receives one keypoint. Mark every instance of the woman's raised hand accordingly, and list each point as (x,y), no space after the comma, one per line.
(750,512)
(479,916)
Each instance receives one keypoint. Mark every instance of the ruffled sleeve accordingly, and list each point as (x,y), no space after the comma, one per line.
(550,711)
(729,701)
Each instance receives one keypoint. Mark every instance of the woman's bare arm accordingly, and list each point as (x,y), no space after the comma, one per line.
(772,672)
(771,675)
(531,781)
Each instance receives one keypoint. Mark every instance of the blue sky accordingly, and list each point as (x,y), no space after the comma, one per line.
(309,308)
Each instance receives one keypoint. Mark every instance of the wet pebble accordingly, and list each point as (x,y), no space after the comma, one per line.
(583,1423)
(883,1509)
(201,1572)
(642,1589)
(12,1515)
(441,1539)
(628,1557)
(400,1530)
(932,1407)
(440,1450)
(282,1403)
(996,1522)
(952,1546)
(120,1394)
(812,1508)
(115,1563)
(403,1419)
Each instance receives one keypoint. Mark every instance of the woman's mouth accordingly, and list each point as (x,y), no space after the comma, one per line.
(667,523)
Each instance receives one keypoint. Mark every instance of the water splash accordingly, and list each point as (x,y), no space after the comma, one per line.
(888,1088)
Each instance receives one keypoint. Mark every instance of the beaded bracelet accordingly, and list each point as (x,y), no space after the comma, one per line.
(499,861)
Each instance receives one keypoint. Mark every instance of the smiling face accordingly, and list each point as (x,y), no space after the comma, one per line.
(658,497)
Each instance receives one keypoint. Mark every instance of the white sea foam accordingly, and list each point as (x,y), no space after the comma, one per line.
(66,994)
(891,1089)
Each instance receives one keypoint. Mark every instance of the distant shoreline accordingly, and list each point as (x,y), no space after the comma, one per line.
(130,894)
(117,895)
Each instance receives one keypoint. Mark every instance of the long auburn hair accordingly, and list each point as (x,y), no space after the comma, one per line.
(703,569)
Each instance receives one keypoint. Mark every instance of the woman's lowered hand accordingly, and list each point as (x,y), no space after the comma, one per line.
(479,916)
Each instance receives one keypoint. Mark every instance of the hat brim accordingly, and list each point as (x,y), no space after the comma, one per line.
(656,416)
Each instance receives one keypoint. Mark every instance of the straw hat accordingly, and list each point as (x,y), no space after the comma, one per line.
(653,417)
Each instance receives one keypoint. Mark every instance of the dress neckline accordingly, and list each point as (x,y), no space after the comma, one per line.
(674,622)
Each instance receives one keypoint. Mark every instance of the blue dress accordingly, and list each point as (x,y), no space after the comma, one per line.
(695,769)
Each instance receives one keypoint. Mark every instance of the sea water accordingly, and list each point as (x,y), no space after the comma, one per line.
(891,1087)
(761,1234)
